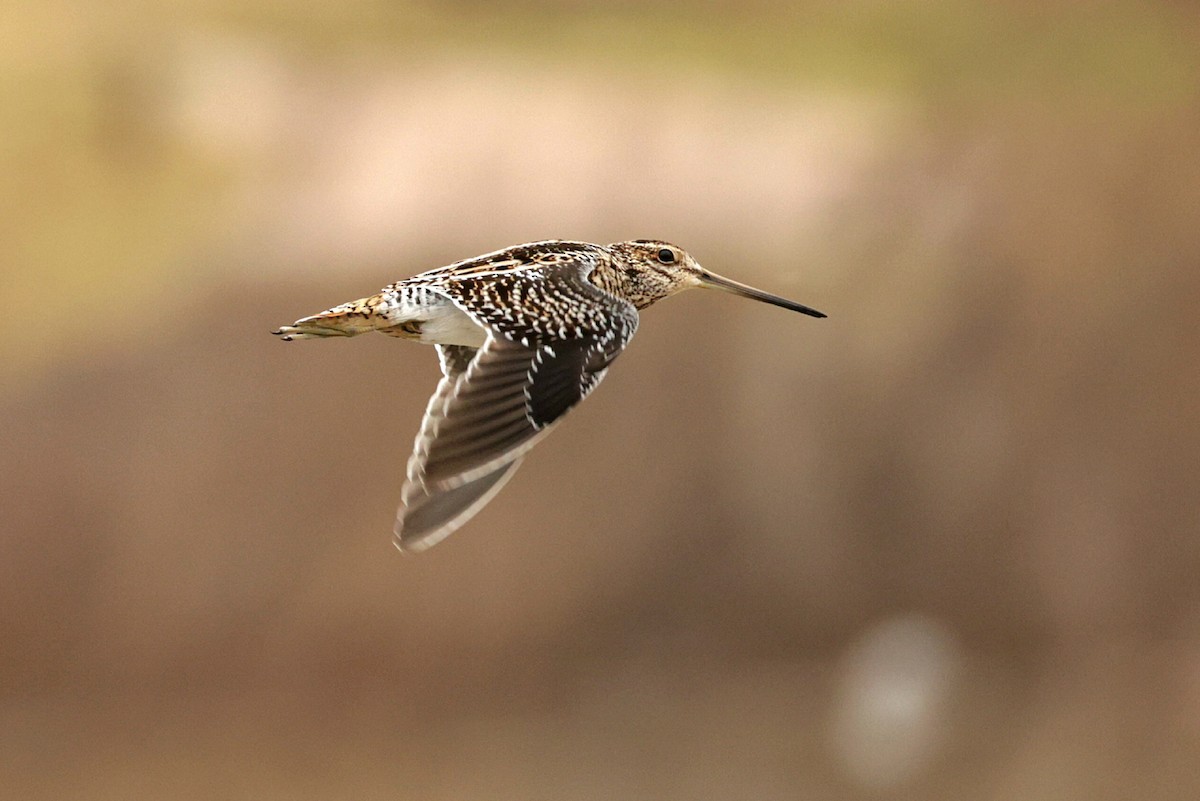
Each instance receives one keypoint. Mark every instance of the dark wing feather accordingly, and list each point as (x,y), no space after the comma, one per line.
(483,418)
(541,358)
(455,359)
(427,516)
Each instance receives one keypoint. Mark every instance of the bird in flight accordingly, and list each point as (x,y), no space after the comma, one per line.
(523,334)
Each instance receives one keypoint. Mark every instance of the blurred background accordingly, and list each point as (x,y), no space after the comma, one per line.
(944,544)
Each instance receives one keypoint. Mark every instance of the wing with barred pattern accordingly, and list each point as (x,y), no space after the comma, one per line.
(552,335)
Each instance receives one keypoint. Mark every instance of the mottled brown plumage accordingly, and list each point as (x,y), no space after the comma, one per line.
(523,335)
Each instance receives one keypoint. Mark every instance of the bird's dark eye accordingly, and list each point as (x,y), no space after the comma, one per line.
(666,256)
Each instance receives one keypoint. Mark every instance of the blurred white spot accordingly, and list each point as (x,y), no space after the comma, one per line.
(889,718)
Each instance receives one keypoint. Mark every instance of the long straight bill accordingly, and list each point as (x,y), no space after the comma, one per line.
(726,285)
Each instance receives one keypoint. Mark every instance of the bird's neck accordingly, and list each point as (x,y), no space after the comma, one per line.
(638,284)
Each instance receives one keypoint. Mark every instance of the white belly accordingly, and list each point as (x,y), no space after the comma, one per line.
(446,324)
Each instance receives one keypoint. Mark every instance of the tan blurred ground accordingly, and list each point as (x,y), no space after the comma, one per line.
(944,544)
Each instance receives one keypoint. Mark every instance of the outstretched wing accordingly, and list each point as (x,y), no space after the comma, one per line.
(552,335)
(428,516)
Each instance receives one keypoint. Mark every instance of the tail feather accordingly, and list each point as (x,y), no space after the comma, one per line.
(347,320)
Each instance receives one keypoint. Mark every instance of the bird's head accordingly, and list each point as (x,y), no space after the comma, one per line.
(675,270)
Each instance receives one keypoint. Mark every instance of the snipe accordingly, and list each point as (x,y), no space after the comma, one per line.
(523,334)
